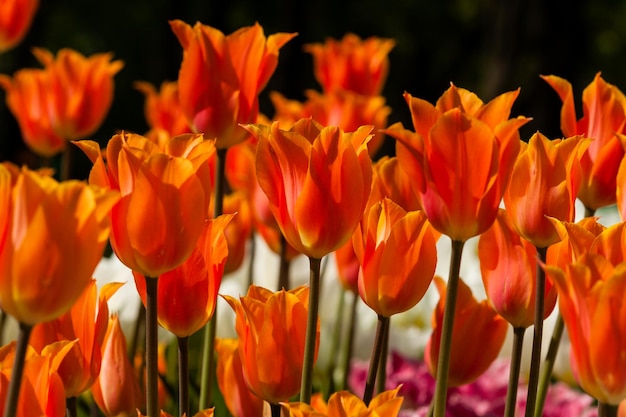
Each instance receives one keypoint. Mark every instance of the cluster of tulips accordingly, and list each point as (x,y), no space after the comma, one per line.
(180,204)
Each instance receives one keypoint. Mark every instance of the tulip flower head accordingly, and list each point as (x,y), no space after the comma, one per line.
(162,108)
(16,17)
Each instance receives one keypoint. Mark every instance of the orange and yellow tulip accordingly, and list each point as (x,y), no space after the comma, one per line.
(53,236)
(241,402)
(544,183)
(459,158)
(162,108)
(16,17)
(508,265)
(116,391)
(299,167)
(165,195)
(221,77)
(390,181)
(187,294)
(271,328)
(390,284)
(591,293)
(604,115)
(477,337)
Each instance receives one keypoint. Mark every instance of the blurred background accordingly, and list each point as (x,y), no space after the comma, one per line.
(486,46)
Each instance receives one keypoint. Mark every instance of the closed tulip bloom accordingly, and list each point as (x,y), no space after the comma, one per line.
(221,77)
(271,329)
(591,293)
(508,265)
(544,183)
(54,235)
(390,284)
(116,391)
(308,164)
(477,337)
(162,108)
(604,115)
(16,17)
(187,294)
(391,181)
(165,194)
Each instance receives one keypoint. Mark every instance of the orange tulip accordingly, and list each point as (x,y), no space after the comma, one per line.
(299,168)
(116,391)
(53,236)
(271,328)
(390,181)
(591,293)
(187,294)
(165,194)
(352,64)
(221,77)
(390,284)
(459,158)
(508,264)
(348,267)
(162,108)
(576,239)
(544,183)
(239,230)
(477,337)
(16,17)
(604,114)
(67,100)
(81,366)
(230,378)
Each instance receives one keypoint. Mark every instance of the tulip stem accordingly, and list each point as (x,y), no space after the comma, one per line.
(306,386)
(516,361)
(607,410)
(548,365)
(275,410)
(66,163)
(71,409)
(152,379)
(10,407)
(252,255)
(183,376)
(535,359)
(443,364)
(283,270)
(379,341)
(334,347)
(347,358)
(382,364)
(210,330)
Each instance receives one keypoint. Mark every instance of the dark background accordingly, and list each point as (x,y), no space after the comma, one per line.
(486,46)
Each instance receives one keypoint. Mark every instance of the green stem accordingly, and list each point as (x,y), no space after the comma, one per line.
(66,163)
(152,348)
(275,410)
(210,330)
(10,407)
(548,365)
(334,347)
(71,409)
(516,361)
(535,360)
(607,410)
(251,260)
(379,341)
(3,322)
(306,386)
(443,365)
(347,358)
(283,270)
(382,365)
(183,376)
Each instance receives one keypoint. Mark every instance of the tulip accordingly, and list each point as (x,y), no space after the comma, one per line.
(230,378)
(162,108)
(116,391)
(239,230)
(221,77)
(271,329)
(604,115)
(16,17)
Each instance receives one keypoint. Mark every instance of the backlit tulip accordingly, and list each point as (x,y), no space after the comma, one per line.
(544,183)
(305,165)
(477,337)
(390,181)
(508,265)
(221,77)
(591,293)
(348,267)
(271,328)
(15,19)
(116,391)
(162,108)
(241,402)
(390,284)
(187,294)
(604,115)
(53,236)
(165,194)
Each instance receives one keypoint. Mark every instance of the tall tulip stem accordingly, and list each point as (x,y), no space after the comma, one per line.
(71,407)
(183,376)
(152,382)
(443,365)
(379,342)
(516,361)
(10,408)
(548,365)
(535,359)
(607,410)
(306,386)
(334,345)
(349,346)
